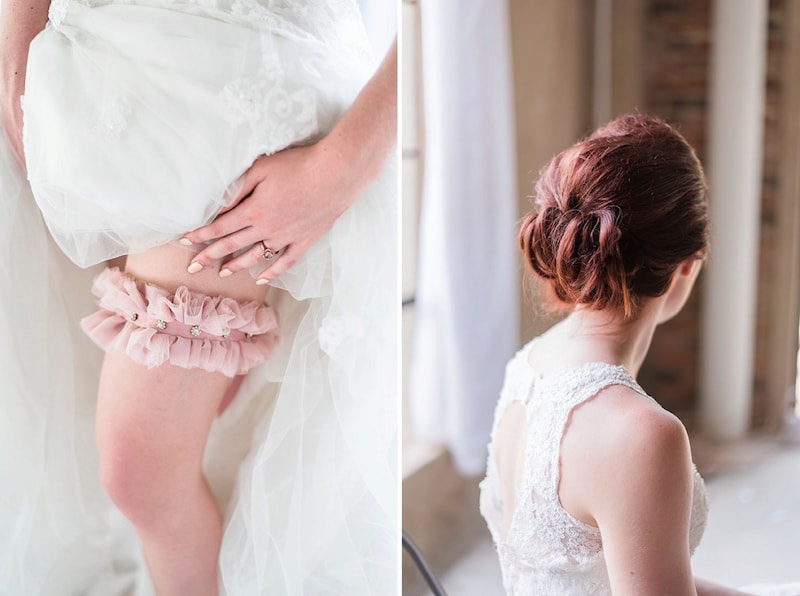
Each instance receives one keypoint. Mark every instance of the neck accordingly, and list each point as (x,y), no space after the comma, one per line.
(611,337)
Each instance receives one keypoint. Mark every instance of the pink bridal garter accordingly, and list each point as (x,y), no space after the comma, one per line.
(187,329)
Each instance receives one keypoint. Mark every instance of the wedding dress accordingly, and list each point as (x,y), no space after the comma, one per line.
(140,117)
(544,550)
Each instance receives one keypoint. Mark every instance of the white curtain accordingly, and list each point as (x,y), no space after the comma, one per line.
(466,315)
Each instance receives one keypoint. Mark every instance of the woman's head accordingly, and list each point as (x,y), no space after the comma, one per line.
(617,213)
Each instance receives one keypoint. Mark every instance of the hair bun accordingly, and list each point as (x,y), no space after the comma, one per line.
(616,214)
(572,248)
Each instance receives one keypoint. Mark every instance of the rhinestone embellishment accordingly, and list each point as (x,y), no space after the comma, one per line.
(161,324)
(248,335)
(226,333)
(195,330)
(134,316)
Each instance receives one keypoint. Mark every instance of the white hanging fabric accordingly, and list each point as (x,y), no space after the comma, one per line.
(467,306)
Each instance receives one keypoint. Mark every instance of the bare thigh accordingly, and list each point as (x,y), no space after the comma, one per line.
(153,423)
(166,266)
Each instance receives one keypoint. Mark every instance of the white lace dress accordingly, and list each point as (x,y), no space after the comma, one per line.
(140,116)
(544,550)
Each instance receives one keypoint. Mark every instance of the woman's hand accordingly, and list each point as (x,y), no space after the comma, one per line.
(20,22)
(290,199)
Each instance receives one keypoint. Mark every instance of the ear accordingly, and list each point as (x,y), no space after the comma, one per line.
(688,265)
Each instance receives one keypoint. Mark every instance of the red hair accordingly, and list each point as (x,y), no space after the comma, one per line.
(617,213)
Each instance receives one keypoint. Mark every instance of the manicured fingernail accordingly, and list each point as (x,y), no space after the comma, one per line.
(195,267)
(185,242)
(225,272)
(262,282)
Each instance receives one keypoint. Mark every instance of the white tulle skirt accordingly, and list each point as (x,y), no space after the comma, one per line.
(788,589)
(138,119)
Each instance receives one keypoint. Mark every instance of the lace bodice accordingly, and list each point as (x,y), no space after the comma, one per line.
(542,549)
(336,21)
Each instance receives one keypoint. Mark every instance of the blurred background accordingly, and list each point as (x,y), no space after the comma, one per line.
(491,90)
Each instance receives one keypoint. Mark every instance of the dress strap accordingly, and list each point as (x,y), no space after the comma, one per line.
(551,403)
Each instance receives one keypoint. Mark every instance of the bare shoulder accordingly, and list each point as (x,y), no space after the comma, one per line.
(620,447)
(634,482)
(636,433)
(632,425)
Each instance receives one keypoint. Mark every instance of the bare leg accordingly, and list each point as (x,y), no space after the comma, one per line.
(152,427)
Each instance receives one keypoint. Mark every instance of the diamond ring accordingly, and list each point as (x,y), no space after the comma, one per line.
(266,251)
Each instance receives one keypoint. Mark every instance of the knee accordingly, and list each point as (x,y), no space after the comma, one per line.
(126,478)
(141,478)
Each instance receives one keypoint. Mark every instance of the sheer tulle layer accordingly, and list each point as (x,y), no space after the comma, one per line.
(788,589)
(303,461)
(161,107)
(59,533)
(153,326)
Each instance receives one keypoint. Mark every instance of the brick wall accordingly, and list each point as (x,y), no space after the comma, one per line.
(677,67)
(677,60)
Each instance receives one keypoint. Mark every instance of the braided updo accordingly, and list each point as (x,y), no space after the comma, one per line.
(617,213)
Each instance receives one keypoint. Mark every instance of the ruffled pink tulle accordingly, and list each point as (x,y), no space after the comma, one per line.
(129,313)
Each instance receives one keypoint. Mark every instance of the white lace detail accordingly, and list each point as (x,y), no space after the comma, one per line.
(319,18)
(334,22)
(543,549)
(57,12)
(274,114)
(113,117)
(261,14)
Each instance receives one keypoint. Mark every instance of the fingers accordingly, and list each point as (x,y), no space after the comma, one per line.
(249,180)
(234,216)
(283,260)
(224,225)
(253,256)
(223,247)
(282,264)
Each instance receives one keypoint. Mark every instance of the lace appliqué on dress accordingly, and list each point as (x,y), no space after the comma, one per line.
(277,117)
(57,12)
(336,23)
(113,117)
(542,549)
(699,516)
(263,16)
